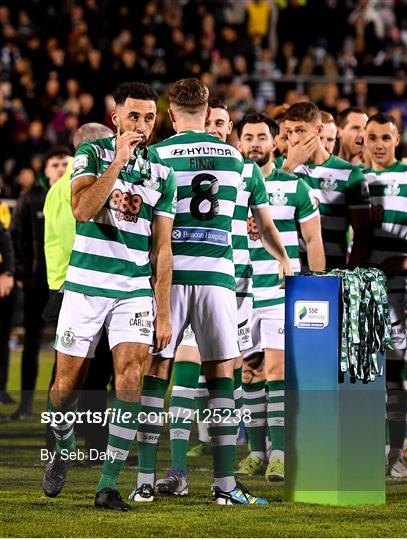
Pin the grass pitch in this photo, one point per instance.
(25, 511)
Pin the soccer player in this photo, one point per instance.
(387, 179)
(339, 187)
(123, 198)
(351, 124)
(251, 193)
(59, 237)
(329, 130)
(292, 206)
(219, 125)
(209, 173)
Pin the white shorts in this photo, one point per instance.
(244, 309)
(82, 318)
(188, 338)
(212, 313)
(267, 329)
(244, 317)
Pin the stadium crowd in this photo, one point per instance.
(59, 75)
(60, 61)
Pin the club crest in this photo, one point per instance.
(328, 184)
(151, 183)
(68, 339)
(392, 189)
(278, 198)
(242, 185)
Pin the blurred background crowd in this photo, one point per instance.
(60, 60)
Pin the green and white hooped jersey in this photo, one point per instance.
(110, 256)
(208, 173)
(291, 203)
(251, 194)
(339, 187)
(388, 194)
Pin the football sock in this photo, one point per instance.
(222, 431)
(254, 401)
(201, 405)
(64, 430)
(238, 395)
(185, 382)
(121, 436)
(148, 435)
(275, 414)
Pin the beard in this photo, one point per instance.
(261, 160)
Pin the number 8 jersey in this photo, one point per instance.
(208, 173)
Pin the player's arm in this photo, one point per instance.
(309, 219)
(89, 193)
(268, 232)
(271, 239)
(311, 232)
(358, 200)
(161, 260)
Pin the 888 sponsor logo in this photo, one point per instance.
(126, 206)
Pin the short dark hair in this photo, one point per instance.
(342, 117)
(56, 151)
(134, 90)
(305, 111)
(383, 118)
(257, 118)
(189, 94)
(217, 103)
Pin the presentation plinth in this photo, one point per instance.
(335, 427)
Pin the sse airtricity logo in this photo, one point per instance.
(302, 313)
(311, 314)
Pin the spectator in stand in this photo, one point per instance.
(233, 45)
(47, 52)
(360, 96)
(35, 144)
(287, 60)
(398, 97)
(329, 100)
(318, 61)
(258, 19)
(25, 180)
(368, 28)
(27, 231)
